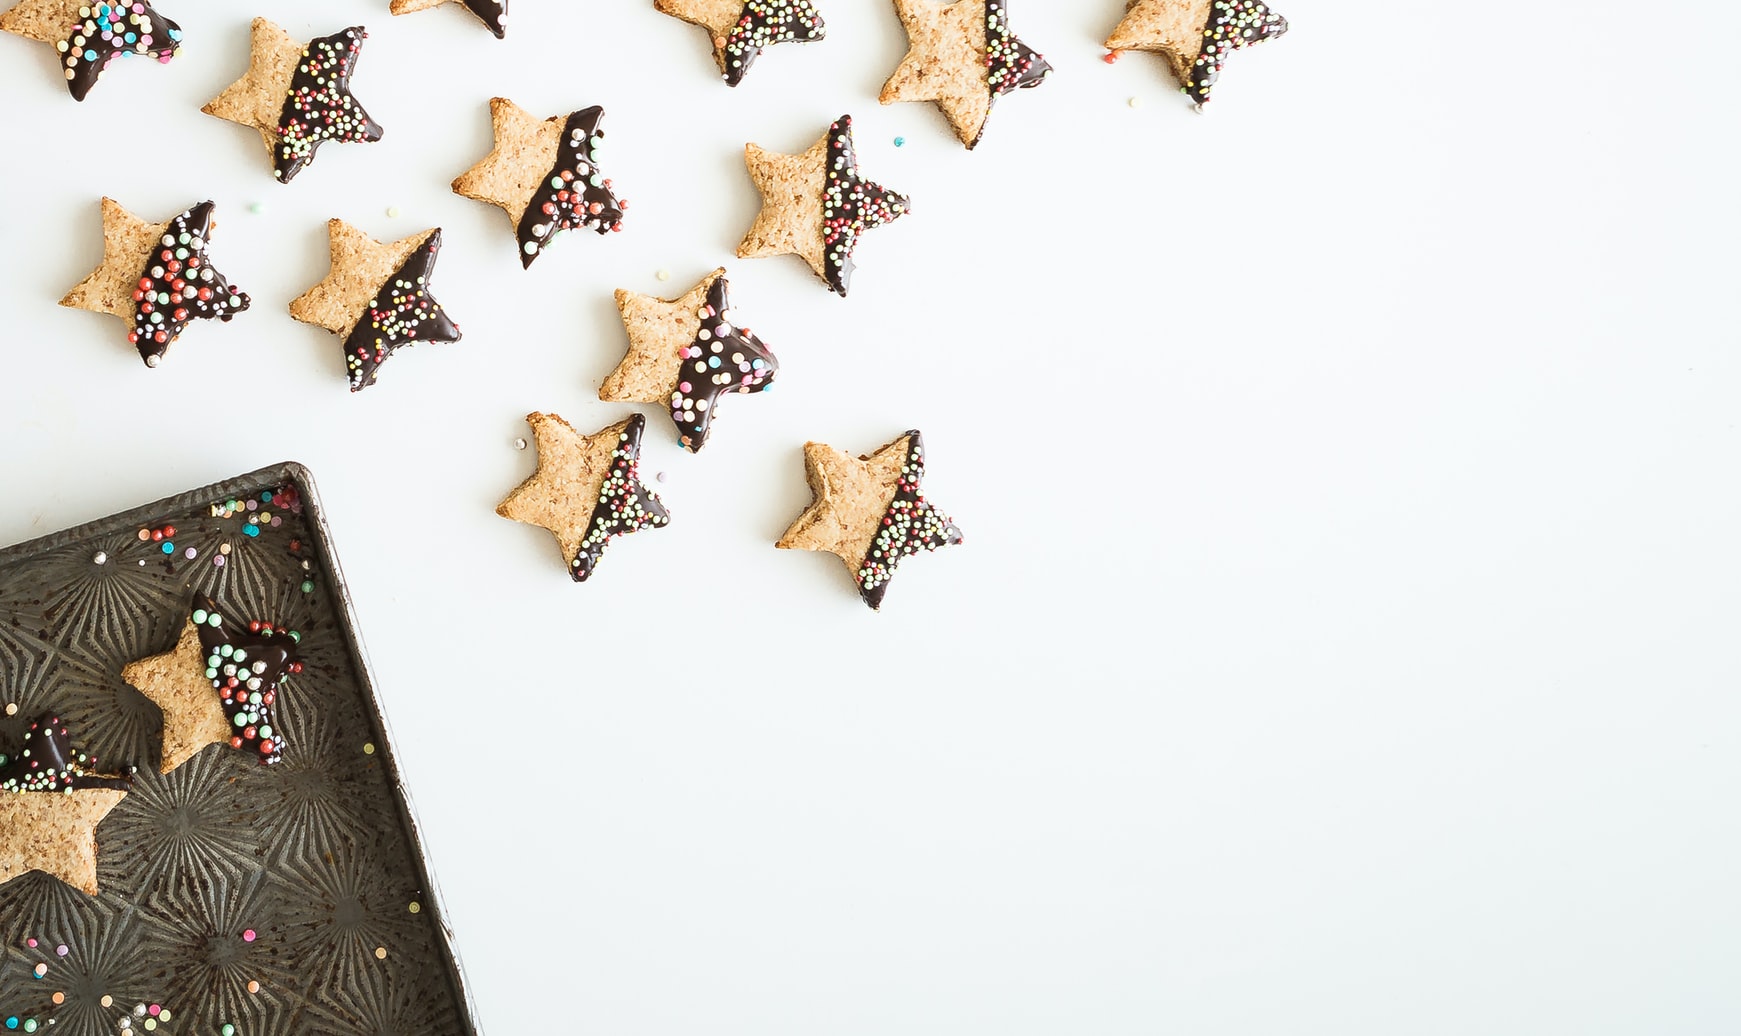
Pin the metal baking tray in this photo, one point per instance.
(286, 899)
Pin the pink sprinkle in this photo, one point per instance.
(30, 943)
(61, 950)
(156, 1010)
(192, 552)
(253, 505)
(248, 936)
(218, 562)
(684, 387)
(277, 521)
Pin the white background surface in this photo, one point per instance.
(1345, 640)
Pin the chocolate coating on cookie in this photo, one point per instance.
(245, 664)
(850, 206)
(723, 358)
(47, 762)
(575, 193)
(402, 312)
(179, 284)
(319, 106)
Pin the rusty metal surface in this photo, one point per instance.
(318, 857)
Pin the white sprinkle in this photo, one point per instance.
(663, 275)
(392, 212)
(101, 558)
(519, 444)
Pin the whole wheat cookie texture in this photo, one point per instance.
(686, 354)
(545, 175)
(816, 205)
(493, 13)
(963, 56)
(88, 36)
(587, 489)
(157, 277)
(218, 685)
(869, 512)
(51, 801)
(376, 298)
(1195, 36)
(298, 96)
(741, 29)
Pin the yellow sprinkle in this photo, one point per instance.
(380, 953)
(107, 1001)
(415, 908)
(368, 749)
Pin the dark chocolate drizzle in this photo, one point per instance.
(723, 358)
(624, 505)
(179, 284)
(575, 193)
(910, 525)
(319, 106)
(402, 312)
(46, 762)
(762, 24)
(850, 206)
(113, 30)
(493, 13)
(245, 665)
(1232, 25)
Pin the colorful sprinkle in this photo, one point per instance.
(624, 505)
(722, 359)
(401, 313)
(911, 525)
(1233, 25)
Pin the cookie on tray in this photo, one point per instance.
(51, 801)
(1195, 36)
(686, 354)
(218, 685)
(587, 490)
(816, 205)
(89, 35)
(869, 512)
(157, 277)
(741, 29)
(376, 298)
(545, 175)
(298, 95)
(962, 55)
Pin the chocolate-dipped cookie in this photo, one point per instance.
(88, 36)
(545, 175)
(963, 56)
(741, 29)
(376, 298)
(1195, 36)
(869, 512)
(298, 95)
(816, 205)
(157, 277)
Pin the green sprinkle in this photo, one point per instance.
(199, 616)
(308, 586)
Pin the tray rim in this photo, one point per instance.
(314, 513)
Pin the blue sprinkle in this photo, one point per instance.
(131, 37)
(900, 141)
(90, 55)
(168, 547)
(12, 1023)
(250, 530)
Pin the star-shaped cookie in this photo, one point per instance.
(815, 205)
(50, 806)
(686, 353)
(741, 29)
(298, 96)
(157, 277)
(89, 34)
(493, 13)
(962, 55)
(587, 489)
(218, 685)
(1195, 36)
(544, 174)
(869, 512)
(376, 297)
